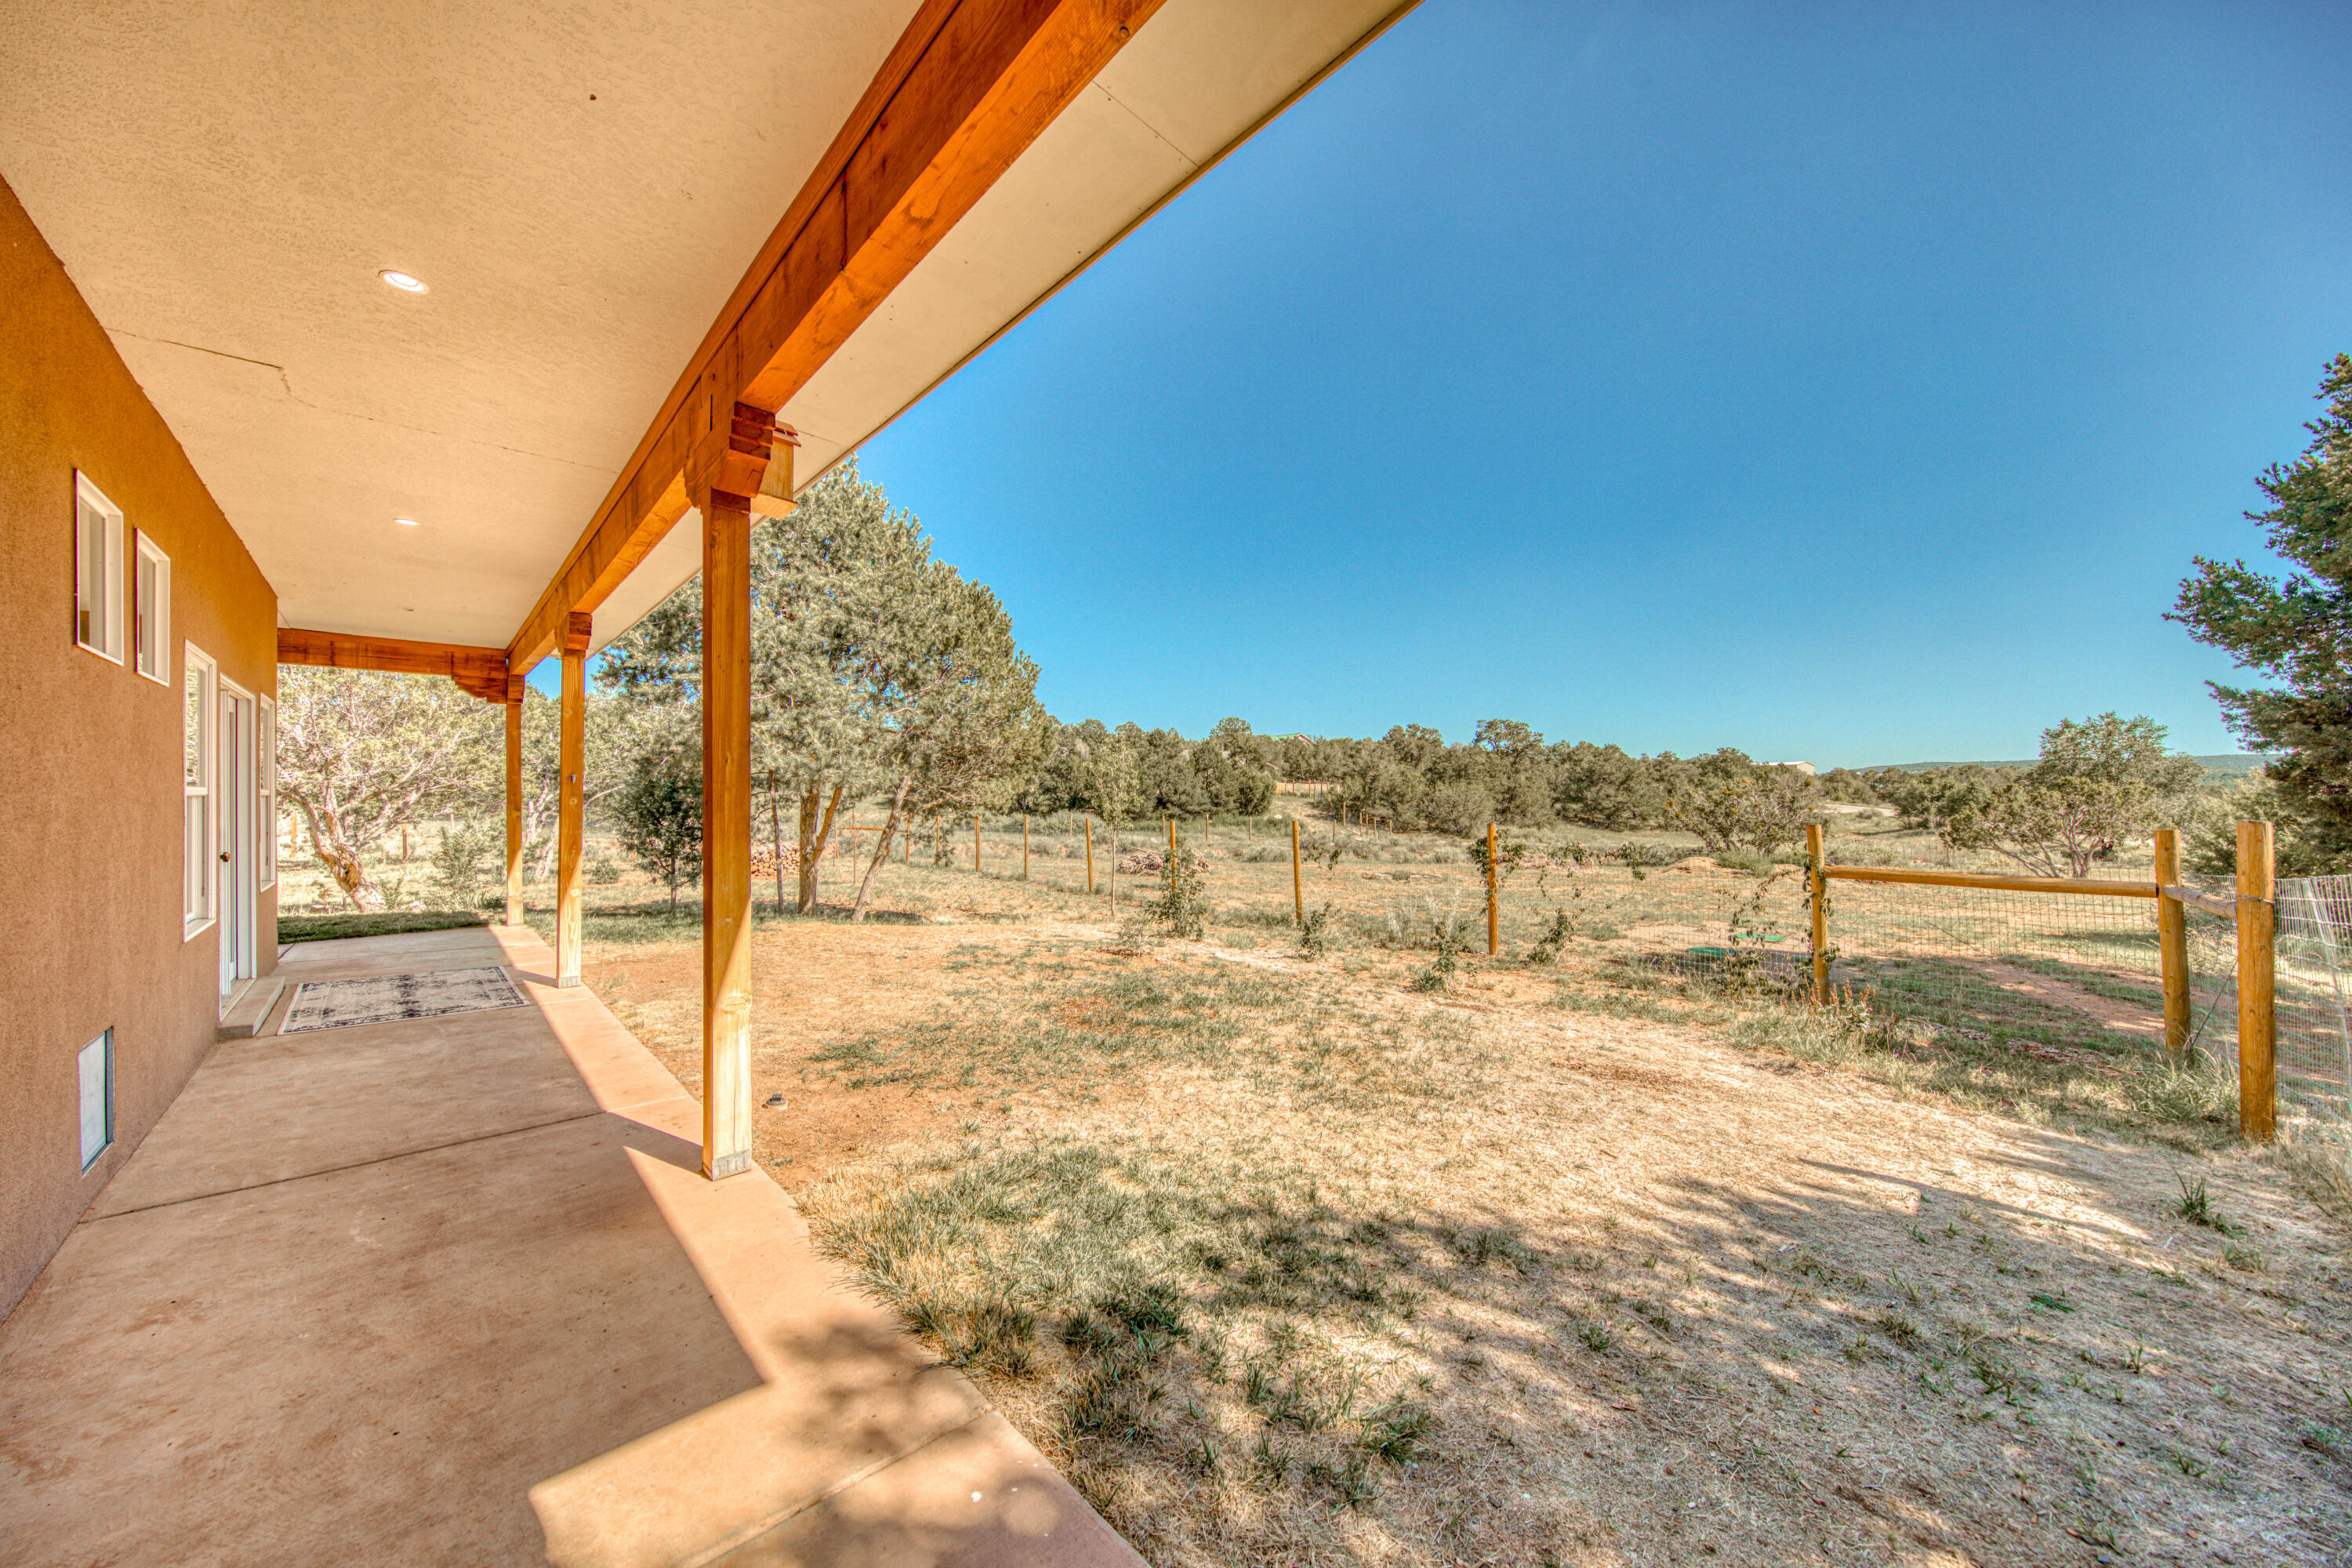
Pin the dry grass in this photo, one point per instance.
(1284, 1262)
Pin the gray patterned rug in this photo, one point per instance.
(395, 998)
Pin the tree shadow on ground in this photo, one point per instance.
(1235, 1361)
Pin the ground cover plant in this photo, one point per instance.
(1615, 1257)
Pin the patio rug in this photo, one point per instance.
(395, 998)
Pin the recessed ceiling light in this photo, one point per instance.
(402, 281)
(405, 521)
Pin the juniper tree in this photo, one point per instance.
(2099, 784)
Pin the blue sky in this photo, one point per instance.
(1844, 381)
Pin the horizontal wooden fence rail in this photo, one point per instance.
(2090, 885)
(2251, 911)
(2211, 903)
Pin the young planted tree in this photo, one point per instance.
(361, 755)
(660, 816)
(1182, 906)
(2296, 635)
(1114, 785)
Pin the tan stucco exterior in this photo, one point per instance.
(91, 802)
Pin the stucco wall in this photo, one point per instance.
(91, 800)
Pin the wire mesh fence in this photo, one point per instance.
(2054, 971)
(2314, 1046)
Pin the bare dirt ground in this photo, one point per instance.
(1284, 1262)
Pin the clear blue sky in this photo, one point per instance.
(1841, 382)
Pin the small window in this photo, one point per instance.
(151, 610)
(98, 571)
(197, 775)
(97, 1065)
(265, 772)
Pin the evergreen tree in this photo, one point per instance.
(2296, 633)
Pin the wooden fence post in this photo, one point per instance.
(1819, 895)
(1089, 823)
(1172, 841)
(1494, 879)
(1298, 886)
(975, 844)
(2257, 1010)
(2172, 946)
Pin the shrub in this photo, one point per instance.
(1315, 936)
(660, 815)
(1458, 808)
(461, 863)
(1180, 906)
(1555, 937)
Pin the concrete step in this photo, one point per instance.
(248, 1008)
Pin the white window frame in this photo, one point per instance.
(151, 612)
(104, 1047)
(265, 790)
(98, 570)
(200, 841)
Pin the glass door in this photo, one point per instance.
(234, 803)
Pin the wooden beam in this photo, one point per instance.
(479, 671)
(1979, 879)
(572, 722)
(2182, 894)
(966, 88)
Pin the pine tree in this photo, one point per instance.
(2296, 633)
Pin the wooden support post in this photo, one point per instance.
(570, 752)
(514, 802)
(1172, 841)
(1819, 895)
(1090, 853)
(2172, 947)
(2257, 1011)
(1297, 884)
(1024, 846)
(1494, 883)
(728, 473)
(726, 835)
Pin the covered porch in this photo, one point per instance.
(454, 1289)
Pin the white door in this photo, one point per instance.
(234, 799)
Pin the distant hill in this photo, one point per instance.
(2219, 770)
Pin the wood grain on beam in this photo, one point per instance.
(479, 671)
(966, 88)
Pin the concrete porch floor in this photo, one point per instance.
(455, 1291)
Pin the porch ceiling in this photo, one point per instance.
(225, 183)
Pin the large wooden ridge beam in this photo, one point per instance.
(479, 671)
(965, 90)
